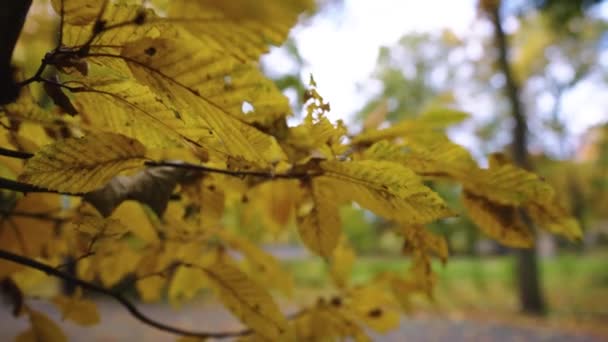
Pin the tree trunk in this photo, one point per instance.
(530, 295)
(12, 17)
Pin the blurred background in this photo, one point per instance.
(382, 61)
(379, 62)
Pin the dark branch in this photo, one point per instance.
(117, 296)
(39, 216)
(234, 173)
(8, 184)
(15, 154)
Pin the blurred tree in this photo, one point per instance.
(541, 53)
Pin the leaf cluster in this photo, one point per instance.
(168, 139)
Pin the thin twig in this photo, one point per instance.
(133, 310)
(61, 23)
(234, 173)
(39, 216)
(15, 154)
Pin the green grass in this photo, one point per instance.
(573, 284)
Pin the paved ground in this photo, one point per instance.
(118, 325)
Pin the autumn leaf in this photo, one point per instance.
(499, 221)
(243, 27)
(342, 262)
(318, 219)
(81, 311)
(41, 329)
(78, 165)
(262, 266)
(386, 188)
(247, 300)
(77, 12)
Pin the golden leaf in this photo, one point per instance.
(554, 218)
(318, 219)
(137, 220)
(81, 311)
(186, 283)
(42, 329)
(77, 165)
(389, 189)
(342, 261)
(150, 287)
(77, 12)
(427, 123)
(508, 184)
(247, 300)
(374, 306)
(243, 28)
(500, 222)
(328, 323)
(113, 260)
(263, 267)
(208, 123)
(130, 108)
(438, 158)
(420, 239)
(27, 235)
(121, 17)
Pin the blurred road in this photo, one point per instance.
(117, 325)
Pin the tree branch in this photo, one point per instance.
(49, 270)
(15, 154)
(234, 173)
(8, 184)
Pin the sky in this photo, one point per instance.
(340, 48)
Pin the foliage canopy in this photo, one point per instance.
(164, 141)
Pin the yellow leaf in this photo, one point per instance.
(113, 260)
(34, 283)
(219, 79)
(130, 108)
(508, 184)
(427, 123)
(42, 329)
(243, 28)
(319, 220)
(210, 119)
(98, 227)
(247, 300)
(74, 35)
(438, 158)
(500, 222)
(134, 215)
(328, 323)
(263, 267)
(420, 239)
(374, 306)
(27, 235)
(386, 188)
(342, 261)
(150, 287)
(79, 165)
(274, 203)
(554, 218)
(77, 12)
(81, 311)
(186, 283)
